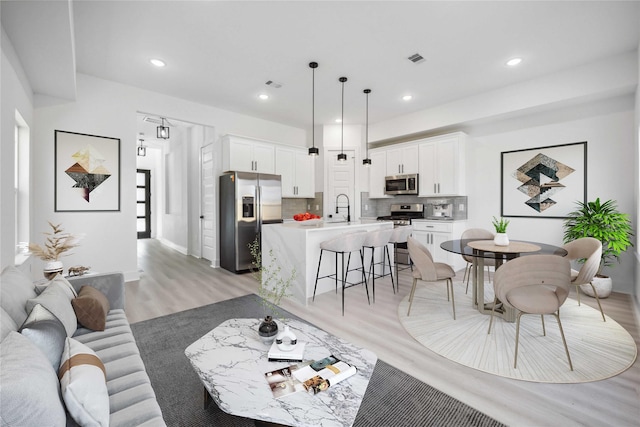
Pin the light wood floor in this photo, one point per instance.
(172, 282)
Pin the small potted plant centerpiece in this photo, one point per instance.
(604, 222)
(501, 238)
(272, 287)
(57, 243)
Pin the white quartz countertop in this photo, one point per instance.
(323, 225)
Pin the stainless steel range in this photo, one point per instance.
(401, 215)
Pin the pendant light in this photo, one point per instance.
(162, 131)
(342, 157)
(367, 161)
(313, 150)
(142, 150)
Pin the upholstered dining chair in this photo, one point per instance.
(476, 234)
(427, 270)
(533, 284)
(589, 250)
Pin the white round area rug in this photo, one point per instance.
(598, 349)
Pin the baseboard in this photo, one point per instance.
(173, 246)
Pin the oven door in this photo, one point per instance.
(401, 184)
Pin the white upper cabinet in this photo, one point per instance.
(377, 172)
(247, 155)
(442, 165)
(403, 160)
(296, 168)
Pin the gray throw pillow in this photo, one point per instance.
(15, 289)
(56, 299)
(46, 332)
(7, 324)
(60, 280)
(29, 385)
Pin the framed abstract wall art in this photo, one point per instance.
(543, 182)
(86, 173)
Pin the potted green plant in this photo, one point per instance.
(501, 238)
(604, 222)
(272, 287)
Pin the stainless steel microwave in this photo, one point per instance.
(401, 184)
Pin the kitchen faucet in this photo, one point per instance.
(348, 206)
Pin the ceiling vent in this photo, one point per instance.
(416, 58)
(273, 84)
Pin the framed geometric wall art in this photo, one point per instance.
(86, 173)
(543, 182)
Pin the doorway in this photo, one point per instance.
(143, 208)
(340, 179)
(208, 203)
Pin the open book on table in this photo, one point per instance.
(311, 377)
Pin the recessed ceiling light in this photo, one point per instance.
(338, 120)
(158, 62)
(263, 96)
(407, 98)
(514, 61)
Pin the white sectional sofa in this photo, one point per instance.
(33, 336)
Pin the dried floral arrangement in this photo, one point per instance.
(273, 285)
(55, 245)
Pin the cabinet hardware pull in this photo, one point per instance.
(438, 188)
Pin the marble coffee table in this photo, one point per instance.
(231, 361)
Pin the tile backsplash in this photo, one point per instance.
(380, 207)
(291, 207)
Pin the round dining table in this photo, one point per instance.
(479, 250)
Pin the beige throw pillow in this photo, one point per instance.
(83, 385)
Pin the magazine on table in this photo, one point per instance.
(312, 377)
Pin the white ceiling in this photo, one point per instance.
(221, 53)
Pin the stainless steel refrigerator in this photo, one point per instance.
(247, 200)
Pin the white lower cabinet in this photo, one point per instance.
(432, 233)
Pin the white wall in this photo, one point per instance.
(637, 188)
(16, 95)
(610, 172)
(109, 109)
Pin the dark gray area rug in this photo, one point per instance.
(393, 398)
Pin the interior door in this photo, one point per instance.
(143, 198)
(207, 199)
(340, 180)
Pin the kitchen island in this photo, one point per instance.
(295, 245)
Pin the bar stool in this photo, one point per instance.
(343, 244)
(399, 237)
(379, 239)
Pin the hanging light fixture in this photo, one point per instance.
(367, 161)
(313, 150)
(162, 131)
(342, 157)
(142, 150)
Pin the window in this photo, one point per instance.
(21, 182)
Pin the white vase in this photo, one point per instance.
(51, 268)
(602, 284)
(501, 239)
(286, 340)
